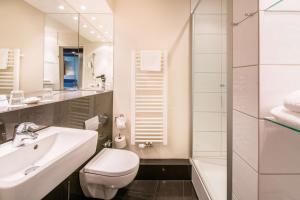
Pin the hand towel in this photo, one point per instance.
(292, 102)
(3, 58)
(287, 117)
(92, 124)
(151, 60)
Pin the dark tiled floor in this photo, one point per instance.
(158, 190)
(155, 190)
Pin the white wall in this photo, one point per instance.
(22, 26)
(156, 24)
(103, 63)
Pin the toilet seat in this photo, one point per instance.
(113, 163)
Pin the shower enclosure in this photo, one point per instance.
(209, 91)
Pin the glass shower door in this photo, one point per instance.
(209, 74)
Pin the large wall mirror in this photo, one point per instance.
(58, 44)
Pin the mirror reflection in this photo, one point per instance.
(68, 44)
(96, 48)
(61, 52)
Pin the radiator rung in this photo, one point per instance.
(153, 141)
(150, 133)
(148, 137)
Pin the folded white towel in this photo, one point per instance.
(292, 101)
(151, 60)
(287, 117)
(3, 58)
(92, 124)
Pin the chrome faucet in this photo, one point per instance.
(24, 131)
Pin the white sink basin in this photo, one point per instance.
(32, 171)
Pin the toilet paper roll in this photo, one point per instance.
(120, 141)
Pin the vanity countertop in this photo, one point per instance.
(58, 96)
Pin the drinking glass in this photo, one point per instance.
(16, 98)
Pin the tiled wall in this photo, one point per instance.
(266, 68)
(71, 113)
(245, 101)
(279, 75)
(209, 78)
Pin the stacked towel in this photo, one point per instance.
(287, 117)
(3, 58)
(289, 113)
(292, 102)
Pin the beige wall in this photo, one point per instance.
(22, 26)
(156, 24)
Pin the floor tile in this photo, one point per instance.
(170, 190)
(144, 186)
(132, 195)
(189, 192)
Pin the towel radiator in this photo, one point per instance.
(9, 77)
(149, 102)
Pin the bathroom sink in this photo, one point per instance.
(35, 169)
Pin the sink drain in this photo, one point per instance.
(31, 169)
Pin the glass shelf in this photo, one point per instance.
(273, 5)
(284, 6)
(274, 121)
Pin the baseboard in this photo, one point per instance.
(164, 169)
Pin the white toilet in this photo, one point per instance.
(108, 171)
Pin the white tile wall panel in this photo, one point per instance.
(209, 7)
(207, 121)
(279, 187)
(245, 38)
(208, 43)
(241, 7)
(207, 82)
(245, 180)
(207, 23)
(208, 62)
(245, 137)
(279, 38)
(276, 82)
(207, 102)
(245, 90)
(279, 149)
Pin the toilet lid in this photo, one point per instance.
(113, 162)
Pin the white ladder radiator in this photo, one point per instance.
(149, 102)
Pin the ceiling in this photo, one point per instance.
(93, 17)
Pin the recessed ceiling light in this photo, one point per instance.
(100, 26)
(83, 7)
(84, 26)
(98, 36)
(75, 18)
(92, 32)
(106, 32)
(61, 7)
(93, 18)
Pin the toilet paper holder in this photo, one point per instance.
(120, 121)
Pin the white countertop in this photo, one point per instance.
(58, 96)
